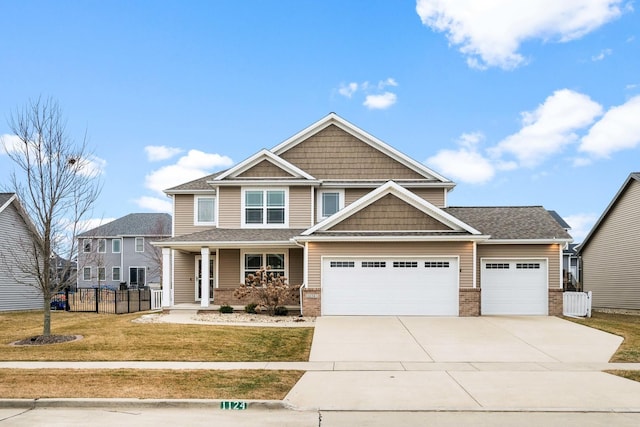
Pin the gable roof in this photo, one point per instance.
(194, 186)
(6, 199)
(634, 176)
(135, 224)
(560, 220)
(334, 119)
(403, 194)
(509, 223)
(262, 155)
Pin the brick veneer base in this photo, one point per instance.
(226, 296)
(555, 302)
(311, 300)
(469, 302)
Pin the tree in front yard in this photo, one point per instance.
(268, 289)
(57, 182)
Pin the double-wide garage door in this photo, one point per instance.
(514, 286)
(390, 286)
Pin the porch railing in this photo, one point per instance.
(156, 299)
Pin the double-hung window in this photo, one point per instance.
(265, 207)
(86, 245)
(115, 273)
(86, 273)
(205, 210)
(329, 202)
(139, 244)
(115, 246)
(102, 246)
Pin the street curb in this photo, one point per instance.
(138, 403)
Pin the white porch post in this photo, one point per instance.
(166, 277)
(204, 281)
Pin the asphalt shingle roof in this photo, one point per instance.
(196, 184)
(511, 222)
(135, 224)
(238, 235)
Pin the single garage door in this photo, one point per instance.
(390, 286)
(517, 287)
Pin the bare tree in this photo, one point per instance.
(57, 183)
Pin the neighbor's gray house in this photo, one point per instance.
(18, 289)
(119, 254)
(610, 254)
(364, 228)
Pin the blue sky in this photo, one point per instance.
(520, 103)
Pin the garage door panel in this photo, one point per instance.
(390, 286)
(514, 287)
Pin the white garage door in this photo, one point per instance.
(514, 286)
(390, 286)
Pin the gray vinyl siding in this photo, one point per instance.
(611, 259)
(550, 252)
(13, 235)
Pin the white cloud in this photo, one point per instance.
(9, 143)
(603, 53)
(490, 32)
(619, 129)
(348, 90)
(92, 166)
(389, 82)
(160, 152)
(548, 129)
(465, 164)
(380, 102)
(580, 225)
(155, 204)
(194, 165)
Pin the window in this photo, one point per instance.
(102, 246)
(264, 207)
(275, 262)
(136, 277)
(497, 266)
(205, 210)
(86, 245)
(342, 264)
(329, 202)
(405, 264)
(436, 264)
(115, 246)
(139, 244)
(86, 273)
(102, 274)
(524, 266)
(115, 274)
(374, 264)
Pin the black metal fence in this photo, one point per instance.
(103, 300)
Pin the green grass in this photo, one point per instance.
(115, 337)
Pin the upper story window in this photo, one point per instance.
(264, 208)
(115, 246)
(86, 245)
(102, 246)
(139, 244)
(205, 210)
(329, 202)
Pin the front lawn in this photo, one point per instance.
(109, 337)
(626, 326)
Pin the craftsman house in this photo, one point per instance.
(364, 229)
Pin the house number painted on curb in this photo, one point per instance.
(233, 405)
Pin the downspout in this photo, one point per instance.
(304, 285)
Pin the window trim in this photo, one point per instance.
(102, 278)
(138, 268)
(113, 241)
(264, 223)
(104, 246)
(84, 275)
(135, 245)
(196, 220)
(319, 201)
(85, 243)
(263, 252)
(113, 277)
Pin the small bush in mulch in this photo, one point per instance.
(47, 339)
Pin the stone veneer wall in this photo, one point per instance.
(469, 302)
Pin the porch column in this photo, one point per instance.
(166, 278)
(204, 281)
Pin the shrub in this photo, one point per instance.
(281, 311)
(269, 289)
(226, 309)
(251, 308)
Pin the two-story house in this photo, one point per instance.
(119, 254)
(364, 228)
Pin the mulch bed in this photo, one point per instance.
(47, 339)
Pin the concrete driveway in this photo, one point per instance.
(457, 363)
(458, 339)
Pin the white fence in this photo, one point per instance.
(576, 304)
(156, 299)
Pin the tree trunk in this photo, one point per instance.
(46, 330)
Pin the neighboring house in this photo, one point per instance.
(569, 258)
(366, 230)
(610, 254)
(119, 254)
(18, 289)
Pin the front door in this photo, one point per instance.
(199, 278)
